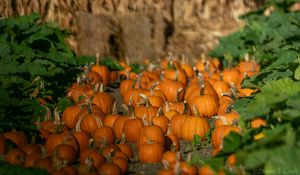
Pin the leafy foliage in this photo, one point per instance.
(35, 63)
(19, 170)
(274, 42)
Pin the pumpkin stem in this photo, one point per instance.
(222, 118)
(159, 112)
(125, 108)
(169, 131)
(195, 111)
(166, 164)
(89, 163)
(144, 120)
(207, 66)
(185, 105)
(48, 113)
(200, 80)
(145, 98)
(114, 109)
(221, 76)
(173, 147)
(167, 109)
(101, 88)
(247, 57)
(77, 127)
(123, 138)
(97, 59)
(162, 75)
(178, 94)
(156, 83)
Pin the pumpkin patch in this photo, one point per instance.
(234, 111)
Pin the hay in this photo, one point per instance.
(191, 27)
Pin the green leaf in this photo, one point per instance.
(297, 73)
(231, 143)
(111, 64)
(4, 50)
(135, 68)
(285, 86)
(257, 158)
(283, 160)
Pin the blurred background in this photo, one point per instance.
(138, 29)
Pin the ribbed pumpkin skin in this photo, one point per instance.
(104, 134)
(170, 89)
(145, 112)
(153, 133)
(104, 73)
(104, 101)
(70, 116)
(90, 122)
(132, 128)
(150, 152)
(220, 132)
(118, 126)
(206, 105)
(176, 124)
(194, 125)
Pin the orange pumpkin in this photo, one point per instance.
(103, 100)
(65, 152)
(258, 122)
(194, 125)
(15, 156)
(32, 158)
(173, 90)
(151, 132)
(109, 169)
(70, 116)
(146, 110)
(104, 134)
(18, 137)
(132, 127)
(150, 152)
(104, 73)
(161, 120)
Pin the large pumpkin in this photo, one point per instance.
(194, 126)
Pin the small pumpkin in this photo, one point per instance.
(150, 152)
(151, 132)
(65, 152)
(103, 134)
(18, 137)
(15, 156)
(194, 125)
(109, 169)
(70, 116)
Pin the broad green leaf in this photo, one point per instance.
(297, 73)
(4, 50)
(257, 158)
(284, 160)
(231, 143)
(285, 86)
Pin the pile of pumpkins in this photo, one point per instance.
(162, 105)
